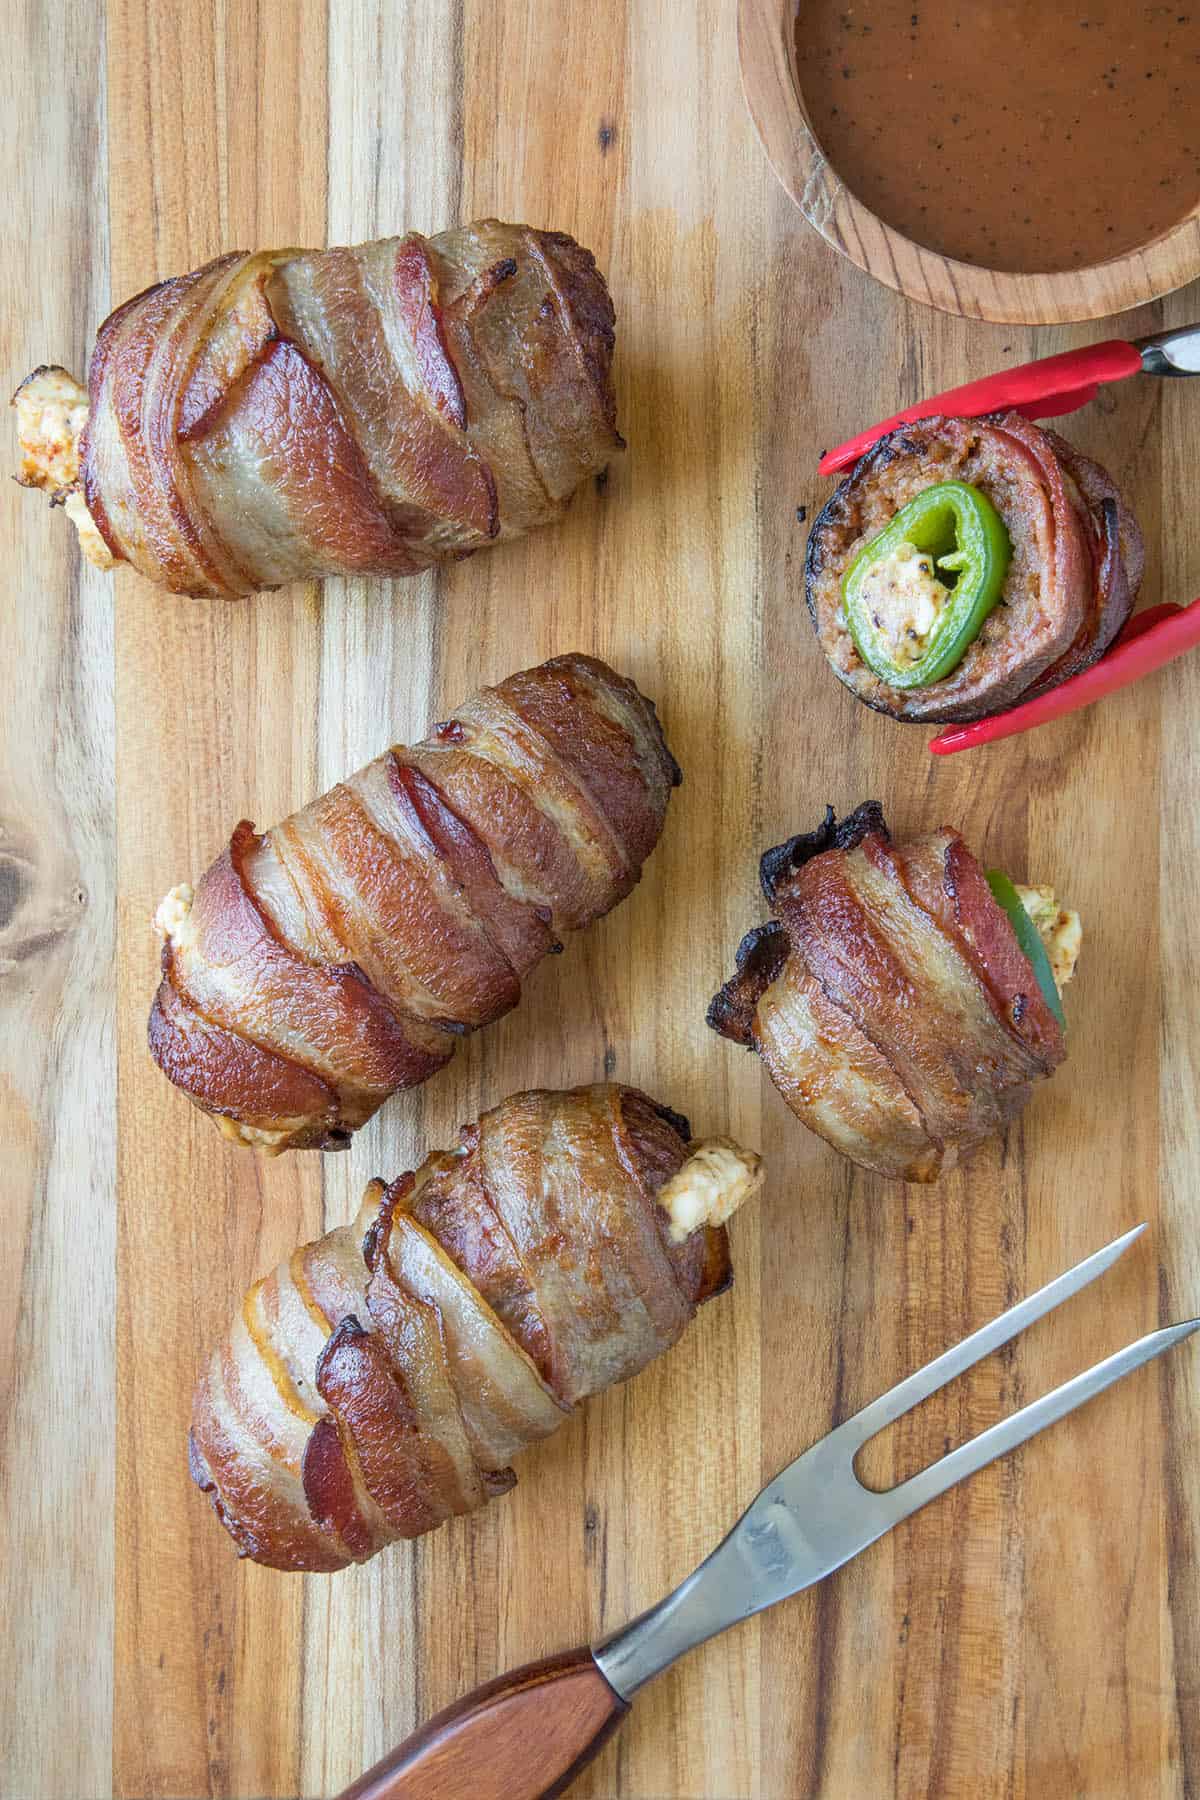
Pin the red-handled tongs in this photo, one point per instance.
(1046, 390)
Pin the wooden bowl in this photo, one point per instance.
(766, 51)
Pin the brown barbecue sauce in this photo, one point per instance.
(1022, 135)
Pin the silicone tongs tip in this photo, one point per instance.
(1045, 389)
(1150, 640)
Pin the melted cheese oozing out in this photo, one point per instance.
(173, 910)
(52, 410)
(90, 541)
(253, 1137)
(714, 1181)
(1058, 927)
(904, 600)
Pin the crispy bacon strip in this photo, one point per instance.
(379, 1381)
(326, 963)
(287, 415)
(890, 999)
(1076, 563)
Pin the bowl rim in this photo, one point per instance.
(765, 36)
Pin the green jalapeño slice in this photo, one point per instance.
(916, 596)
(1029, 938)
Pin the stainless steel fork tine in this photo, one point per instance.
(855, 1431)
(816, 1514)
(1008, 1433)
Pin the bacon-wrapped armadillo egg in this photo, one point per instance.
(1038, 533)
(285, 415)
(381, 1379)
(319, 966)
(891, 999)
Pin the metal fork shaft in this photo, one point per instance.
(1173, 352)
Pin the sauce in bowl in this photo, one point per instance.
(1024, 135)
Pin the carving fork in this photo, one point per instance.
(527, 1735)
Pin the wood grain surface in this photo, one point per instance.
(1036, 1633)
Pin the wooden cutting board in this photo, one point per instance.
(1036, 1632)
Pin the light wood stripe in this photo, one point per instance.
(57, 894)
(217, 141)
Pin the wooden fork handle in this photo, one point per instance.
(523, 1737)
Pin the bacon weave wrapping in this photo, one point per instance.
(339, 956)
(890, 1000)
(284, 415)
(380, 1380)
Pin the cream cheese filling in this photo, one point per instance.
(52, 410)
(173, 910)
(904, 600)
(714, 1181)
(253, 1137)
(1058, 927)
